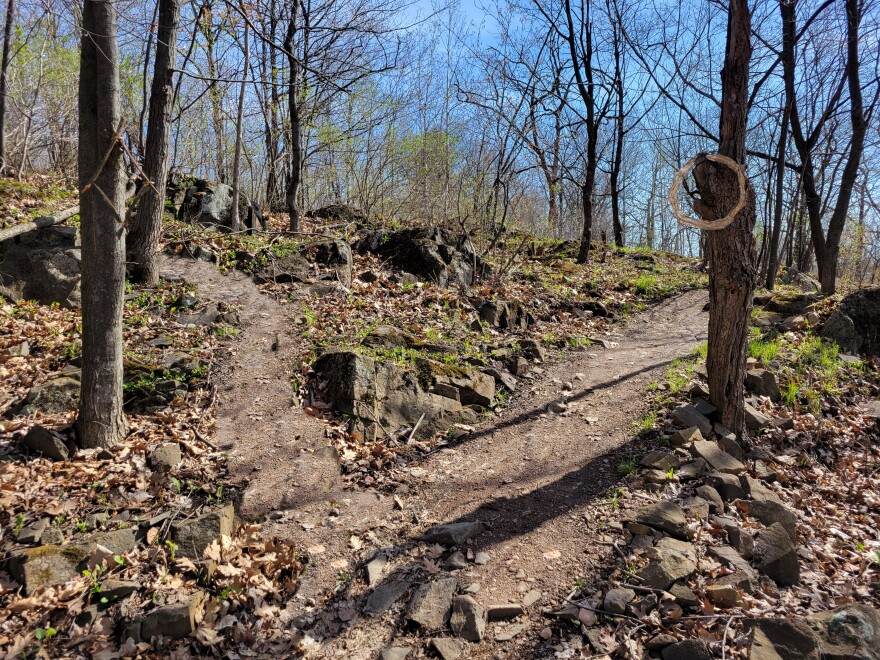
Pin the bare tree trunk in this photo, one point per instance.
(828, 266)
(143, 239)
(4, 67)
(101, 422)
(773, 257)
(617, 161)
(239, 118)
(214, 93)
(295, 139)
(732, 249)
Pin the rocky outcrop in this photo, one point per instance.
(434, 254)
(380, 397)
(210, 203)
(339, 214)
(42, 265)
(855, 324)
(505, 315)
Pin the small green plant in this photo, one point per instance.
(45, 633)
(172, 548)
(176, 483)
(310, 316)
(645, 283)
(579, 584)
(19, 524)
(94, 577)
(670, 474)
(790, 393)
(342, 579)
(627, 466)
(81, 526)
(763, 350)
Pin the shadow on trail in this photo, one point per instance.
(534, 413)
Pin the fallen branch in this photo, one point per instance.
(39, 223)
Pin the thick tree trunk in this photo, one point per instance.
(587, 203)
(143, 237)
(731, 250)
(4, 67)
(101, 422)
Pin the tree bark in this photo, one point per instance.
(295, 139)
(829, 260)
(773, 256)
(143, 238)
(731, 250)
(4, 67)
(239, 119)
(101, 422)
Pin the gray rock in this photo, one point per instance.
(775, 555)
(117, 541)
(732, 447)
(42, 265)
(520, 366)
(448, 648)
(468, 619)
(770, 512)
(502, 377)
(727, 485)
(34, 532)
(687, 416)
(704, 407)
(58, 395)
(665, 568)
(763, 383)
(730, 557)
(722, 595)
(166, 456)
(723, 432)
(43, 441)
(763, 472)
(683, 595)
(688, 649)
(686, 436)
(381, 395)
(504, 314)
(716, 504)
(455, 562)
(504, 611)
(616, 600)
(863, 308)
(176, 621)
(52, 536)
(661, 460)
(841, 329)
(532, 597)
(755, 420)
(757, 490)
(782, 638)
(374, 569)
(718, 460)
(693, 470)
(209, 203)
(396, 653)
(532, 350)
(46, 566)
(665, 516)
(431, 253)
(389, 336)
(848, 631)
(482, 558)
(384, 596)
(115, 590)
(696, 507)
(193, 536)
(430, 603)
(453, 533)
(334, 254)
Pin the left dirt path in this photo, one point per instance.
(277, 453)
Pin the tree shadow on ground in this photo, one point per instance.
(514, 515)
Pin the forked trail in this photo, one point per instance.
(532, 475)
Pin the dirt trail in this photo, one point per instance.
(527, 472)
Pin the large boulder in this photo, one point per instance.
(433, 254)
(380, 397)
(42, 265)
(855, 324)
(848, 631)
(793, 277)
(58, 395)
(210, 203)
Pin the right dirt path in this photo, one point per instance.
(531, 472)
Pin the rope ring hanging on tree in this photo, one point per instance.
(710, 225)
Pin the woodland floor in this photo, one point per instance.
(535, 477)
